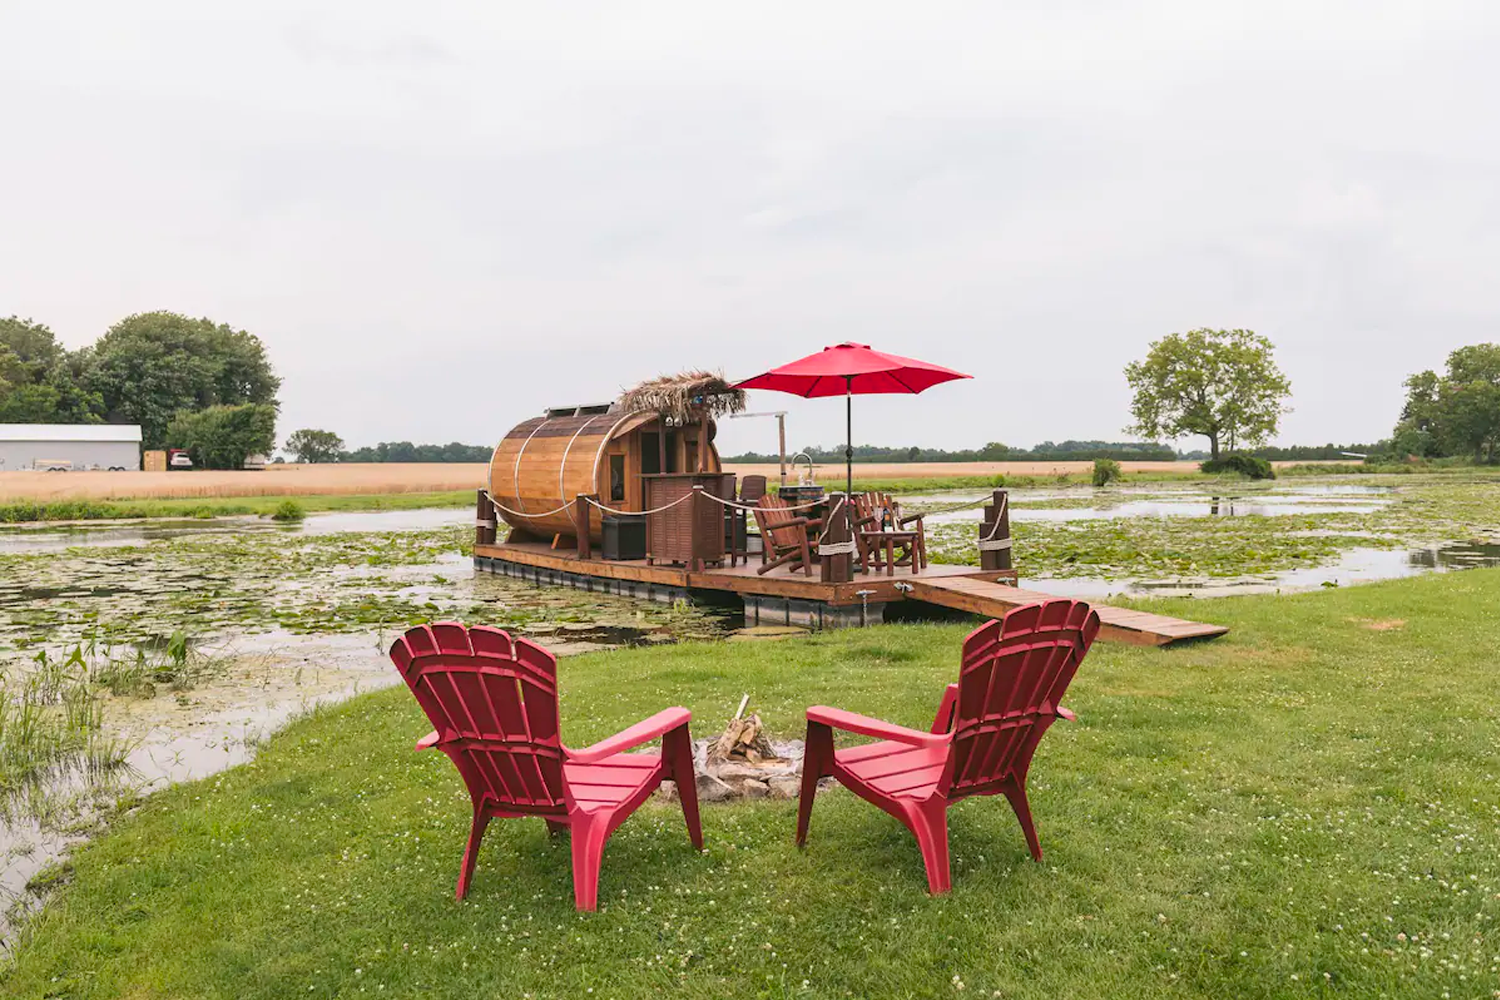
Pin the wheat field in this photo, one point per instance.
(276, 480)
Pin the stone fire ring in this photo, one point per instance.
(733, 780)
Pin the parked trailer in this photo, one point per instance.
(67, 447)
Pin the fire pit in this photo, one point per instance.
(743, 763)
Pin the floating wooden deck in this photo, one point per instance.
(800, 599)
(1139, 628)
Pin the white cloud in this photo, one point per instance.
(443, 217)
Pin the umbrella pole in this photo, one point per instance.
(848, 439)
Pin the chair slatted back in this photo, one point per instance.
(870, 504)
(1013, 677)
(752, 488)
(493, 701)
(773, 509)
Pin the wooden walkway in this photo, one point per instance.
(963, 588)
(1139, 628)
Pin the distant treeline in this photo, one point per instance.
(1065, 451)
(1317, 453)
(1047, 451)
(405, 451)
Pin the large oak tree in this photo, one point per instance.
(1457, 413)
(149, 367)
(40, 381)
(1221, 384)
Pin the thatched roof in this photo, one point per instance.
(684, 397)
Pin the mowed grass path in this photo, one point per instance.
(1309, 807)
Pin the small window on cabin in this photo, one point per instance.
(651, 453)
(616, 478)
(650, 456)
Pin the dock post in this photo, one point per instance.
(484, 520)
(837, 566)
(581, 526)
(994, 533)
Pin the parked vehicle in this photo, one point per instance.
(52, 465)
(255, 463)
(178, 459)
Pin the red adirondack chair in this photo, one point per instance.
(988, 725)
(493, 700)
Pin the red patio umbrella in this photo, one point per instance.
(848, 370)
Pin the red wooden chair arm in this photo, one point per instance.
(904, 521)
(852, 722)
(428, 742)
(662, 722)
(943, 721)
(1064, 713)
(794, 522)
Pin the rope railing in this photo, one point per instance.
(531, 515)
(1004, 502)
(964, 505)
(637, 513)
(526, 514)
(752, 507)
(977, 501)
(986, 542)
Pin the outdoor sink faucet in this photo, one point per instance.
(809, 481)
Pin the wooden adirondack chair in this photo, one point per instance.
(493, 700)
(867, 507)
(783, 536)
(988, 725)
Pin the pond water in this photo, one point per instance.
(289, 617)
(1359, 565)
(259, 684)
(1405, 542)
(1094, 505)
(110, 534)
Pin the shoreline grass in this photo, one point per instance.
(1304, 807)
(23, 512)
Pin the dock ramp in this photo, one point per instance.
(981, 597)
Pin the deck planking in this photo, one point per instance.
(1139, 628)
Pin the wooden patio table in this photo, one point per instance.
(887, 541)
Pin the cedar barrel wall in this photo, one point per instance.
(544, 462)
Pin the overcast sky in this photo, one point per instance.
(443, 217)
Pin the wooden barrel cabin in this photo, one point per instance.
(543, 463)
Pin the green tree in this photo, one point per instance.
(1457, 413)
(1221, 384)
(315, 446)
(40, 381)
(222, 437)
(32, 346)
(151, 366)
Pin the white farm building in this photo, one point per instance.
(70, 446)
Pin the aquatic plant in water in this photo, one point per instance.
(51, 728)
(1421, 511)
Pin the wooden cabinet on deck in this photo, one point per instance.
(691, 533)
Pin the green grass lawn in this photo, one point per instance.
(1307, 807)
